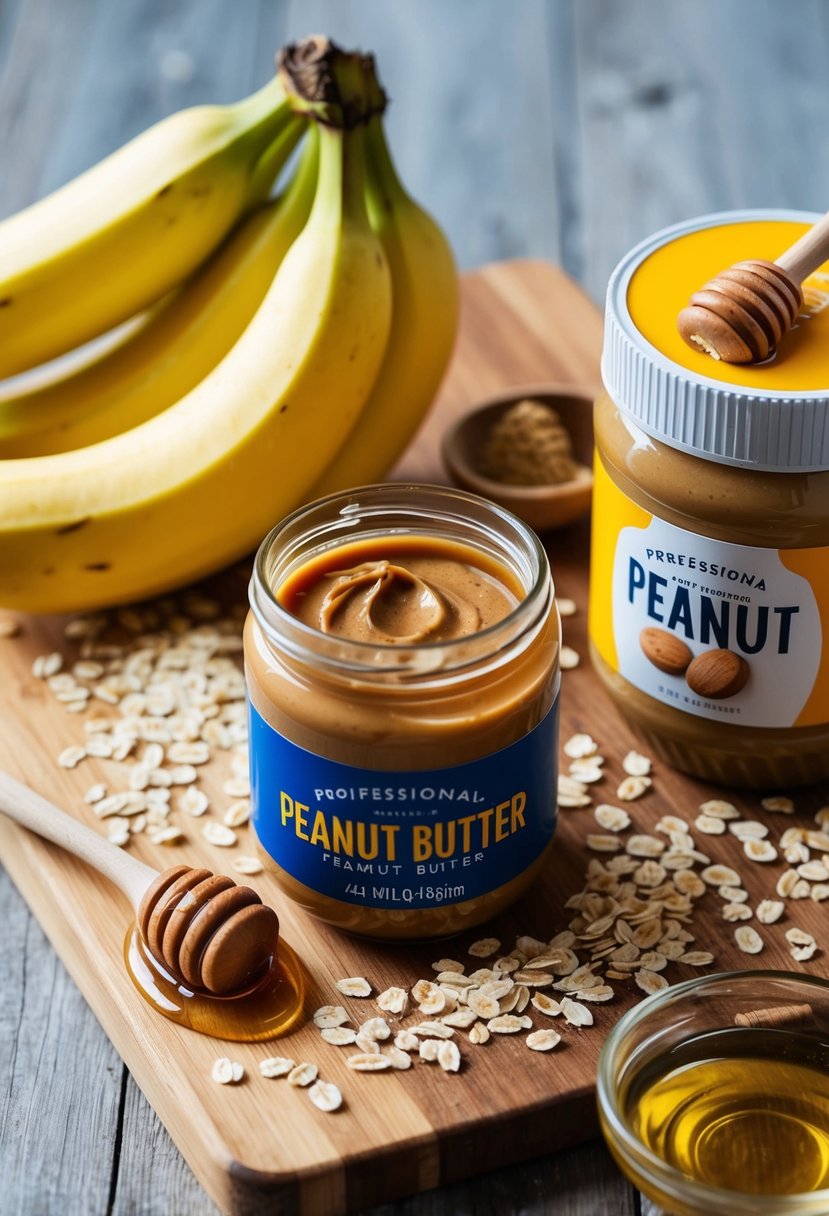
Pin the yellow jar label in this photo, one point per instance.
(732, 633)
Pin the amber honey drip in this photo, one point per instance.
(272, 1008)
(744, 1109)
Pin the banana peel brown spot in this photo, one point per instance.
(74, 526)
(98, 566)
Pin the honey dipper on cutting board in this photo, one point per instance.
(741, 315)
(209, 933)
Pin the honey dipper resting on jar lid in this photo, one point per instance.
(742, 315)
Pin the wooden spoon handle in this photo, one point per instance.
(32, 811)
(807, 253)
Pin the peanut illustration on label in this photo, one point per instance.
(717, 674)
(665, 650)
(714, 674)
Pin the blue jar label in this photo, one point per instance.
(419, 839)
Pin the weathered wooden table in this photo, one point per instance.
(552, 128)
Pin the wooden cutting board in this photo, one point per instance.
(261, 1146)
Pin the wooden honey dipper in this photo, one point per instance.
(213, 936)
(741, 315)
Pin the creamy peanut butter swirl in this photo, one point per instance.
(382, 601)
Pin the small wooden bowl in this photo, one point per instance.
(542, 507)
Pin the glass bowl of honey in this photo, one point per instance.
(714, 1095)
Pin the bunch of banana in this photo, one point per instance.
(290, 347)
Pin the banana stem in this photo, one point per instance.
(340, 196)
(382, 173)
(336, 88)
(273, 159)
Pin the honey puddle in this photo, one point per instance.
(270, 1009)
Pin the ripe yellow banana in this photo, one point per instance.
(183, 338)
(119, 237)
(198, 485)
(425, 303)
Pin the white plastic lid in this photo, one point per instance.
(747, 426)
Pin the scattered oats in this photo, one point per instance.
(483, 1005)
(822, 817)
(428, 1050)
(406, 1041)
(603, 844)
(801, 889)
(449, 1057)
(697, 958)
(461, 1019)
(799, 937)
(247, 865)
(647, 934)
(509, 1023)
(588, 772)
(153, 756)
(303, 1074)
(720, 876)
(219, 835)
(434, 1030)
(479, 1033)
(748, 829)
(709, 825)
(652, 960)
(759, 850)
(748, 939)
(375, 1028)
(632, 788)
(227, 1072)
(783, 806)
(649, 874)
(575, 1013)
(71, 757)
(642, 845)
(192, 802)
(276, 1066)
(188, 753)
(802, 954)
(394, 1000)
(95, 793)
(568, 658)
(543, 1040)
(113, 804)
(612, 818)
(326, 1096)
(566, 607)
(818, 841)
(237, 787)
(118, 832)
(650, 981)
(787, 882)
(485, 947)
(671, 823)
(636, 765)
(449, 964)
(100, 746)
(167, 836)
(769, 911)
(718, 808)
(237, 814)
(578, 747)
(820, 892)
(340, 1036)
(815, 871)
(399, 1058)
(355, 985)
(689, 883)
(330, 1015)
(180, 774)
(733, 895)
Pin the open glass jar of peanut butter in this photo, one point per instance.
(709, 619)
(402, 664)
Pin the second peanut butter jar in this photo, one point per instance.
(709, 600)
(402, 664)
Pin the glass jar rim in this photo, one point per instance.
(676, 1184)
(345, 510)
